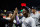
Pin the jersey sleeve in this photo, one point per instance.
(33, 23)
(14, 21)
(22, 19)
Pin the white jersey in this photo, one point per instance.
(27, 22)
(8, 18)
(35, 16)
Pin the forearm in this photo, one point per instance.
(12, 17)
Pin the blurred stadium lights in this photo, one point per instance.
(5, 10)
(4, 16)
(23, 4)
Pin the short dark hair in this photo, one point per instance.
(25, 9)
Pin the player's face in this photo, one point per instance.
(33, 10)
(10, 14)
(24, 11)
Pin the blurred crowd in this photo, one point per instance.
(27, 17)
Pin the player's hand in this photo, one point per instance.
(16, 10)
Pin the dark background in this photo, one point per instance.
(11, 4)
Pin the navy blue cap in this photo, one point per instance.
(8, 12)
(33, 7)
(26, 9)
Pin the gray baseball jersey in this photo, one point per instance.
(36, 17)
(28, 22)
